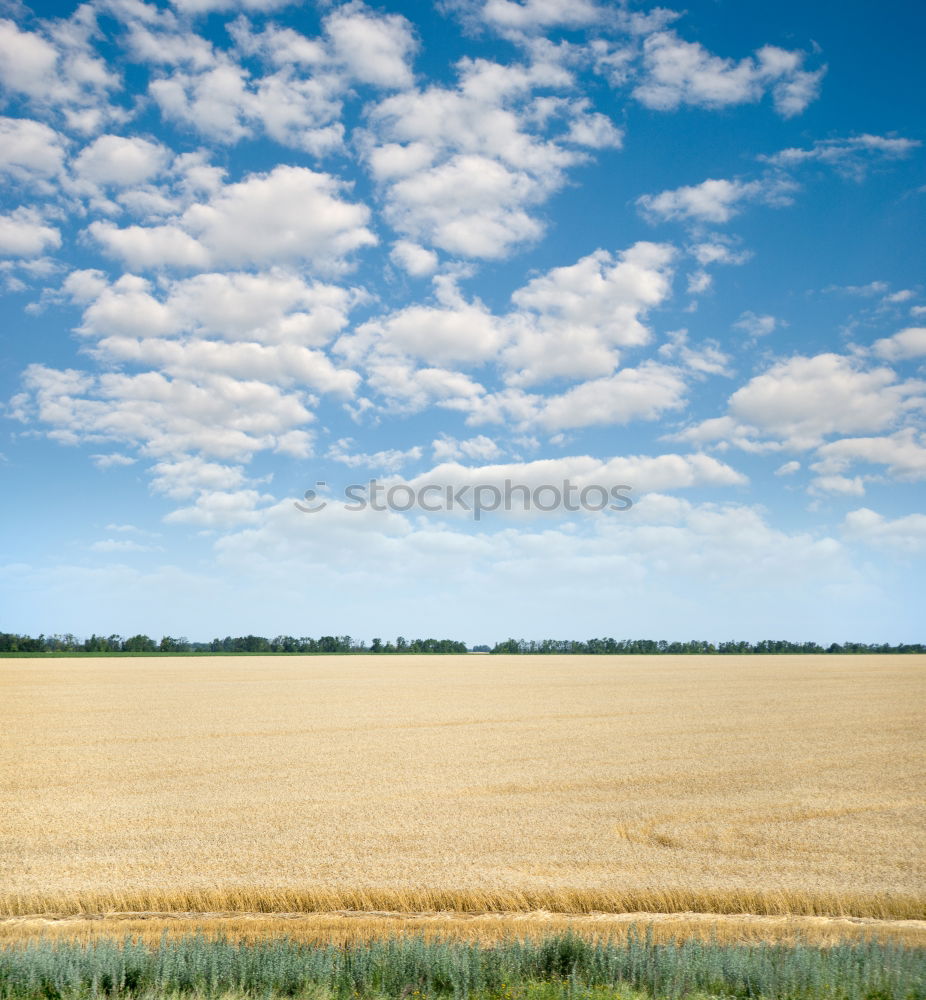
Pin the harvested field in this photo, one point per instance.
(763, 785)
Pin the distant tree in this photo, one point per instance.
(139, 644)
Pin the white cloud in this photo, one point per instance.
(224, 104)
(251, 223)
(788, 468)
(119, 161)
(273, 307)
(755, 325)
(185, 477)
(640, 473)
(677, 73)
(29, 150)
(23, 233)
(570, 321)
(59, 74)
(843, 485)
(536, 15)
(801, 401)
(447, 448)
(804, 399)
(279, 364)
(705, 358)
(851, 157)
(195, 7)
(909, 343)
(387, 460)
(903, 453)
(713, 200)
(642, 393)
(298, 102)
(111, 460)
(718, 250)
(454, 331)
(150, 247)
(213, 415)
(462, 168)
(122, 545)
(415, 259)
(221, 509)
(566, 323)
(594, 131)
(28, 63)
(375, 48)
(408, 389)
(902, 534)
(471, 206)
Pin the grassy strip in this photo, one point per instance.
(414, 968)
(785, 902)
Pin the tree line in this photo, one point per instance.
(654, 647)
(12, 643)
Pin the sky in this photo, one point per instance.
(251, 248)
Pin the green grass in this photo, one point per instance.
(559, 968)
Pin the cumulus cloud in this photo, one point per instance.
(29, 150)
(535, 15)
(447, 448)
(387, 460)
(57, 71)
(110, 460)
(270, 327)
(803, 400)
(640, 473)
(214, 415)
(713, 200)
(642, 393)
(119, 161)
(705, 358)
(676, 72)
(251, 223)
(273, 307)
(196, 7)
(298, 101)
(221, 509)
(901, 534)
(375, 48)
(572, 320)
(755, 325)
(902, 346)
(224, 104)
(463, 167)
(415, 259)
(569, 322)
(902, 453)
(23, 233)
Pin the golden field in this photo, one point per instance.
(574, 784)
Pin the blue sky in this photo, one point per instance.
(249, 246)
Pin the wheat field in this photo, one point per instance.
(262, 785)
